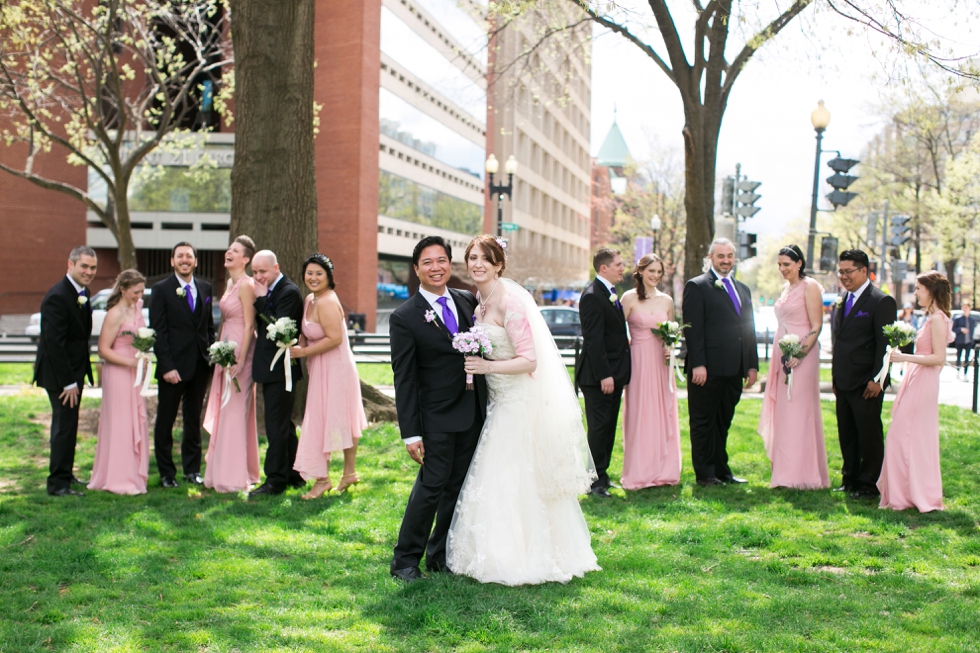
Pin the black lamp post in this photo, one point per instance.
(655, 227)
(820, 119)
(500, 189)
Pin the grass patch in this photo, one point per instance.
(685, 568)
(16, 373)
(376, 373)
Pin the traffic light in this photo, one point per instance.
(873, 270)
(727, 196)
(745, 198)
(899, 269)
(840, 181)
(746, 245)
(901, 231)
(828, 253)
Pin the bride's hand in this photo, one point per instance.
(476, 365)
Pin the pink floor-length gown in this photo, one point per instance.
(911, 476)
(792, 428)
(651, 432)
(233, 450)
(334, 415)
(122, 454)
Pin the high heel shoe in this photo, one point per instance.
(345, 483)
(321, 487)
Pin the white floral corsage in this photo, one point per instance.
(613, 298)
(839, 301)
(181, 292)
(430, 316)
(719, 284)
(82, 300)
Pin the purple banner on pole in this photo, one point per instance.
(643, 246)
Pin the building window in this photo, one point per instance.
(406, 200)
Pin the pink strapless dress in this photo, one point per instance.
(122, 454)
(792, 429)
(911, 476)
(651, 432)
(233, 450)
(334, 415)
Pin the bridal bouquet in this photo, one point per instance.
(670, 333)
(143, 341)
(475, 342)
(898, 334)
(222, 353)
(792, 347)
(284, 333)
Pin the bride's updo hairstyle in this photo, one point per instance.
(323, 262)
(126, 280)
(641, 266)
(491, 248)
(795, 254)
(939, 290)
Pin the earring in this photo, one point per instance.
(496, 275)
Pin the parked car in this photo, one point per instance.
(562, 321)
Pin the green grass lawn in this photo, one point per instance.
(690, 569)
(16, 373)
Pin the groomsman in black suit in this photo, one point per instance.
(604, 366)
(62, 363)
(180, 311)
(721, 353)
(859, 348)
(275, 297)
(440, 421)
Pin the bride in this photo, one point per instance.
(518, 520)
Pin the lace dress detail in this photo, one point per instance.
(518, 520)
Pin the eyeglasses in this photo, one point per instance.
(847, 273)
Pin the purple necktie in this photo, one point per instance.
(731, 294)
(849, 303)
(190, 297)
(447, 316)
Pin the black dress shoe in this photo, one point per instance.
(168, 481)
(77, 481)
(733, 480)
(194, 478)
(407, 574)
(600, 491)
(706, 482)
(440, 569)
(65, 492)
(297, 483)
(844, 488)
(265, 489)
(864, 494)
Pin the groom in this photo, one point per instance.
(440, 421)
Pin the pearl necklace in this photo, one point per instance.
(483, 304)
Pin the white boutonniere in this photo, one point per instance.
(82, 300)
(430, 316)
(613, 298)
(719, 284)
(181, 292)
(839, 301)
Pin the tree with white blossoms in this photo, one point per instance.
(105, 83)
(957, 207)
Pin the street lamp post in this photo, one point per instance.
(820, 118)
(510, 167)
(655, 226)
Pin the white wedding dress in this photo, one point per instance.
(518, 520)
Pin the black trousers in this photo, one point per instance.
(64, 432)
(712, 407)
(601, 414)
(281, 433)
(190, 393)
(862, 442)
(433, 497)
(963, 351)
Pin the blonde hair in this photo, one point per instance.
(126, 280)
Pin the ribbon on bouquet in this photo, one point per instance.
(886, 367)
(141, 358)
(226, 391)
(284, 351)
(676, 369)
(789, 385)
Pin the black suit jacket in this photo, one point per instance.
(430, 384)
(859, 342)
(63, 350)
(605, 348)
(285, 301)
(183, 336)
(719, 338)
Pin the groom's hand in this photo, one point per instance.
(873, 390)
(751, 378)
(699, 375)
(417, 451)
(69, 397)
(607, 385)
(173, 376)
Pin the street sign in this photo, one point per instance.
(509, 226)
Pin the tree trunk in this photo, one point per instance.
(123, 232)
(700, 152)
(273, 182)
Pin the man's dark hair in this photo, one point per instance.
(859, 257)
(603, 256)
(429, 241)
(183, 243)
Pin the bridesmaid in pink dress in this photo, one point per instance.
(651, 432)
(233, 450)
(122, 454)
(792, 427)
(334, 415)
(911, 476)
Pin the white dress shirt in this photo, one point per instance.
(79, 290)
(433, 300)
(184, 284)
(273, 284)
(611, 287)
(730, 280)
(857, 293)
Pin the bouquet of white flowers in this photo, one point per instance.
(143, 341)
(670, 333)
(284, 333)
(899, 333)
(222, 354)
(792, 347)
(475, 342)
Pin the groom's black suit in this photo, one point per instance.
(722, 340)
(859, 347)
(432, 402)
(63, 359)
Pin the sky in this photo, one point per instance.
(767, 124)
